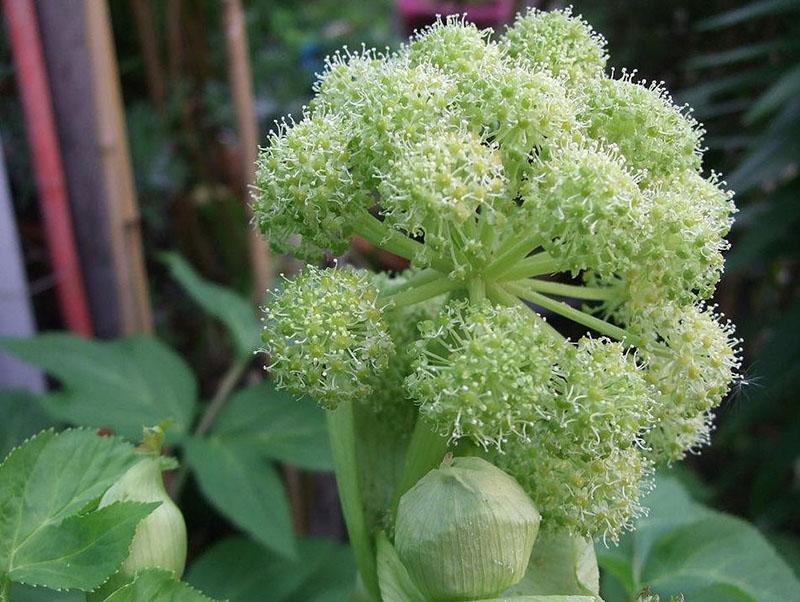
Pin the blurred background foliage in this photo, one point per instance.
(737, 63)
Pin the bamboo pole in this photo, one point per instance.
(112, 137)
(247, 126)
(31, 75)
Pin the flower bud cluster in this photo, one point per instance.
(326, 336)
(493, 162)
(484, 372)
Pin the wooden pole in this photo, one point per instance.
(112, 136)
(63, 30)
(247, 126)
(148, 42)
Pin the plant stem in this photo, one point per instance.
(341, 429)
(522, 290)
(423, 277)
(477, 290)
(512, 255)
(214, 407)
(5, 589)
(535, 265)
(226, 385)
(423, 292)
(425, 451)
(589, 293)
(382, 236)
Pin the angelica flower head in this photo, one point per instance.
(515, 173)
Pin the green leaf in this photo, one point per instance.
(49, 483)
(750, 11)
(395, 582)
(81, 551)
(786, 88)
(234, 311)
(156, 585)
(26, 593)
(240, 570)
(277, 426)
(737, 55)
(683, 547)
(22, 418)
(244, 488)
(122, 384)
(560, 564)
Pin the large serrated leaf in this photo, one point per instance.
(48, 484)
(81, 551)
(244, 488)
(684, 547)
(156, 585)
(240, 570)
(234, 311)
(120, 384)
(278, 426)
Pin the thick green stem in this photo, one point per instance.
(341, 429)
(384, 237)
(425, 452)
(522, 290)
(422, 277)
(5, 589)
(422, 293)
(512, 255)
(535, 265)
(477, 290)
(569, 290)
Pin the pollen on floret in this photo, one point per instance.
(653, 134)
(484, 373)
(558, 42)
(325, 335)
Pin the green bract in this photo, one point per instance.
(492, 164)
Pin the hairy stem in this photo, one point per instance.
(522, 290)
(5, 589)
(590, 293)
(341, 428)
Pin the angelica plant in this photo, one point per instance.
(494, 164)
